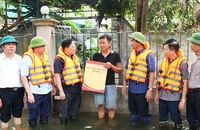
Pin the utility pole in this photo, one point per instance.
(6, 18)
(38, 6)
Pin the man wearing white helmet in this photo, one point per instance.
(11, 90)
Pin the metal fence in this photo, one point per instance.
(87, 44)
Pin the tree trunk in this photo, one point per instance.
(141, 15)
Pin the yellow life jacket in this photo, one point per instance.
(169, 75)
(72, 71)
(137, 67)
(40, 71)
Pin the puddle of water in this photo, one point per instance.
(89, 121)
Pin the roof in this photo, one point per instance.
(12, 10)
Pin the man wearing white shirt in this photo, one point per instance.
(11, 90)
(38, 81)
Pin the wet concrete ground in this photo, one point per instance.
(89, 121)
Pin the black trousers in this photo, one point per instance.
(193, 109)
(70, 106)
(138, 105)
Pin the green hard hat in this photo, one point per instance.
(37, 42)
(195, 38)
(138, 36)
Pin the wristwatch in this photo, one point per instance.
(183, 101)
(150, 89)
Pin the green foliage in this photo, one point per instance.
(85, 54)
(90, 52)
(163, 15)
(73, 26)
(171, 15)
(88, 23)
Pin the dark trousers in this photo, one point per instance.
(193, 109)
(12, 103)
(41, 105)
(70, 106)
(138, 105)
(166, 107)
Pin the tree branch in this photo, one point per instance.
(19, 20)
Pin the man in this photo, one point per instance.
(172, 83)
(193, 95)
(113, 64)
(68, 76)
(139, 73)
(11, 90)
(37, 80)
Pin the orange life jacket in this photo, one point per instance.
(169, 75)
(40, 71)
(137, 66)
(72, 71)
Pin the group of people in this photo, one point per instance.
(174, 84)
(29, 78)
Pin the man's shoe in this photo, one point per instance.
(63, 121)
(134, 123)
(179, 127)
(74, 119)
(32, 123)
(44, 121)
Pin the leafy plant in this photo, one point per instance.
(73, 26)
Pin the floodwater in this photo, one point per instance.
(89, 121)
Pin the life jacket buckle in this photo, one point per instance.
(159, 83)
(160, 71)
(132, 64)
(165, 76)
(47, 77)
(44, 66)
(45, 71)
(79, 76)
(131, 75)
(76, 66)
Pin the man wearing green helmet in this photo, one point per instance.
(193, 95)
(139, 75)
(37, 79)
(11, 90)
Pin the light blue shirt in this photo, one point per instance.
(24, 71)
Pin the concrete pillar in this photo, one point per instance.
(45, 28)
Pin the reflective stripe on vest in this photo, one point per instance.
(137, 66)
(169, 77)
(39, 71)
(72, 71)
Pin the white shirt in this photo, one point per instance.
(9, 71)
(24, 70)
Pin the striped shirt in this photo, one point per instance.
(139, 87)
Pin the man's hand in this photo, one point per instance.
(181, 105)
(108, 65)
(156, 100)
(1, 103)
(62, 95)
(124, 90)
(24, 98)
(31, 98)
(53, 92)
(148, 95)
